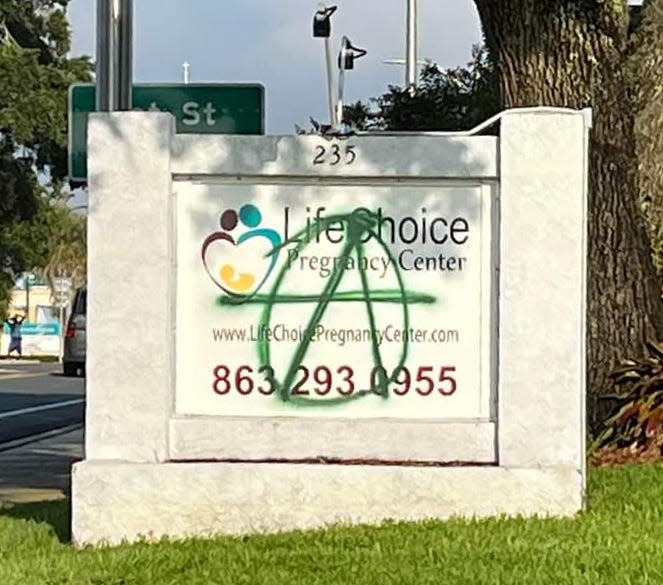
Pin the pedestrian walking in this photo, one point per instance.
(15, 337)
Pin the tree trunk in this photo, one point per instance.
(647, 67)
(574, 54)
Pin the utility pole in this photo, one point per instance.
(412, 62)
(412, 54)
(114, 55)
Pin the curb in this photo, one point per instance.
(16, 443)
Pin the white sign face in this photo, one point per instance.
(344, 301)
(61, 300)
(62, 284)
(62, 288)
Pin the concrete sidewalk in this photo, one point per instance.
(40, 471)
(4, 361)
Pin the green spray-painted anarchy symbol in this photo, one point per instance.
(357, 225)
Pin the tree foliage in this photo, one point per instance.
(635, 429)
(35, 74)
(446, 99)
(52, 244)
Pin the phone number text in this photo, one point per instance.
(323, 381)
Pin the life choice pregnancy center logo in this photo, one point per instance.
(237, 274)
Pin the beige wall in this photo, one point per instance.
(40, 295)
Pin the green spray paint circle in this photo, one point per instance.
(356, 226)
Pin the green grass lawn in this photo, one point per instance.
(618, 540)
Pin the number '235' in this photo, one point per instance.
(334, 155)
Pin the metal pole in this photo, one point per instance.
(114, 55)
(126, 53)
(411, 69)
(322, 29)
(61, 348)
(104, 70)
(339, 103)
(27, 297)
(330, 85)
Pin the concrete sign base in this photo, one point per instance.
(292, 332)
(117, 501)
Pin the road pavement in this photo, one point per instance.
(41, 430)
(40, 471)
(35, 398)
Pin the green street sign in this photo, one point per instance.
(198, 109)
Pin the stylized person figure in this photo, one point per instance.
(15, 338)
(229, 278)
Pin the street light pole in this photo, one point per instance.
(322, 29)
(333, 120)
(114, 71)
(412, 54)
(346, 62)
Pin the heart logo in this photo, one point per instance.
(240, 266)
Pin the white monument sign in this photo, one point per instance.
(380, 327)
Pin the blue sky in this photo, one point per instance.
(270, 41)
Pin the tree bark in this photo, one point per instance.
(647, 68)
(574, 54)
